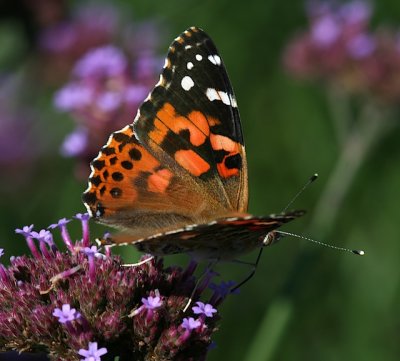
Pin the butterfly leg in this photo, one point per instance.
(251, 274)
(138, 263)
(207, 271)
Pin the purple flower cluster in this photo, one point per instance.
(338, 47)
(83, 303)
(107, 82)
(63, 42)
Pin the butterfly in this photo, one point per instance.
(175, 180)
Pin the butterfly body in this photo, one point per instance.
(175, 181)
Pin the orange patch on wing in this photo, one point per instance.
(199, 119)
(213, 121)
(159, 181)
(226, 172)
(167, 119)
(159, 132)
(192, 162)
(220, 142)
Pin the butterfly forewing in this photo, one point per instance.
(191, 121)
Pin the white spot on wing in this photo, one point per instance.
(199, 57)
(161, 81)
(188, 47)
(224, 97)
(215, 59)
(189, 65)
(166, 63)
(187, 83)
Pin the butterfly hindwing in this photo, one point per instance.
(220, 239)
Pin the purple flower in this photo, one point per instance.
(361, 46)
(92, 253)
(205, 309)
(92, 353)
(75, 143)
(190, 323)
(109, 101)
(152, 303)
(325, 31)
(355, 12)
(104, 61)
(1, 252)
(43, 235)
(25, 231)
(58, 38)
(73, 96)
(62, 222)
(66, 313)
(105, 87)
(135, 93)
(224, 288)
(82, 216)
(40, 290)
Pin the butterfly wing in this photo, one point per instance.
(221, 239)
(191, 121)
(183, 159)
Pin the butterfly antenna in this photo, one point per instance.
(358, 252)
(310, 180)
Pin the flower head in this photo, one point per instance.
(339, 48)
(106, 86)
(63, 300)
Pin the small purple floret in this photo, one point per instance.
(93, 251)
(25, 231)
(224, 288)
(60, 223)
(66, 313)
(190, 323)
(75, 143)
(82, 216)
(205, 309)
(152, 302)
(1, 252)
(92, 353)
(43, 235)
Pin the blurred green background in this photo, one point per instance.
(305, 302)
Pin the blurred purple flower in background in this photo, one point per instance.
(340, 48)
(107, 83)
(360, 69)
(63, 42)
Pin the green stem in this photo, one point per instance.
(269, 334)
(358, 142)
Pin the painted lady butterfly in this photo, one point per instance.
(175, 181)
